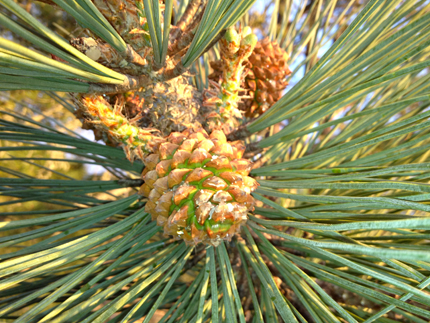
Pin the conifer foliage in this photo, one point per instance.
(274, 173)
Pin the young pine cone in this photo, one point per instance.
(197, 186)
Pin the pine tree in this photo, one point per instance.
(227, 202)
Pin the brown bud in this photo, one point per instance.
(255, 59)
(268, 49)
(249, 203)
(199, 136)
(196, 234)
(161, 220)
(266, 61)
(202, 196)
(150, 207)
(254, 107)
(272, 73)
(170, 227)
(271, 86)
(238, 194)
(250, 182)
(154, 195)
(222, 212)
(161, 211)
(261, 96)
(187, 238)
(282, 63)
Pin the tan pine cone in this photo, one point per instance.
(197, 186)
(266, 78)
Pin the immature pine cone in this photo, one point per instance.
(197, 186)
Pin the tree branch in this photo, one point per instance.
(171, 73)
(253, 148)
(181, 44)
(241, 133)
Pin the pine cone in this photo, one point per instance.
(198, 187)
(265, 81)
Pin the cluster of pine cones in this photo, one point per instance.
(196, 182)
